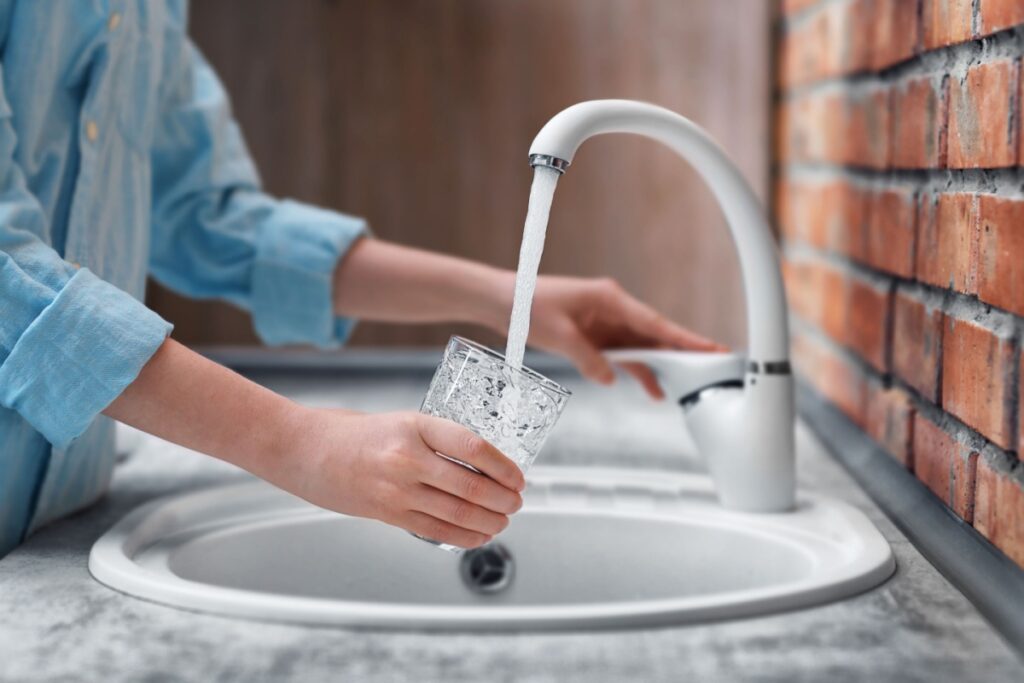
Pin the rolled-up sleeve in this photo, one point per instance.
(217, 235)
(85, 346)
(69, 342)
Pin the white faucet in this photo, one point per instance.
(739, 408)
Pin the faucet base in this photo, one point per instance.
(746, 436)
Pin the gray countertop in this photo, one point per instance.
(58, 624)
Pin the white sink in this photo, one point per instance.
(591, 548)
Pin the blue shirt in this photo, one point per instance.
(119, 158)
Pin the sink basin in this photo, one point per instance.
(592, 547)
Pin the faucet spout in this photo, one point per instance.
(753, 462)
(556, 145)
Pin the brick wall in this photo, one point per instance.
(900, 199)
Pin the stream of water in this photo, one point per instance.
(541, 194)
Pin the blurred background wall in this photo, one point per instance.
(418, 115)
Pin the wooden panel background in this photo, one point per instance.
(418, 114)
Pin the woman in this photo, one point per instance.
(119, 159)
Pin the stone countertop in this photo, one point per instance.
(58, 624)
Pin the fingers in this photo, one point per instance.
(647, 379)
(454, 440)
(470, 486)
(650, 323)
(589, 360)
(688, 340)
(457, 511)
(439, 530)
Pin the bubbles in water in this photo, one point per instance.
(513, 409)
(541, 194)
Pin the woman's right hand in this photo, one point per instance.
(386, 467)
(379, 466)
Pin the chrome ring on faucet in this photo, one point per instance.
(549, 161)
(778, 367)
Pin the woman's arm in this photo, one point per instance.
(574, 317)
(378, 280)
(379, 466)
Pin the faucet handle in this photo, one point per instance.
(683, 374)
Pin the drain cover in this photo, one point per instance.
(489, 569)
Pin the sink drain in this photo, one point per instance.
(487, 570)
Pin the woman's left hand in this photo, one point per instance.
(578, 318)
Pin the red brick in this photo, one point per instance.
(791, 58)
(833, 41)
(1020, 407)
(977, 373)
(866, 327)
(964, 476)
(828, 115)
(918, 124)
(829, 215)
(895, 32)
(980, 106)
(889, 420)
(891, 237)
(811, 49)
(833, 310)
(917, 344)
(999, 506)
(933, 449)
(866, 129)
(851, 311)
(946, 22)
(1001, 252)
(946, 465)
(833, 375)
(947, 241)
(996, 15)
(846, 219)
(792, 6)
(854, 23)
(812, 289)
(800, 286)
(784, 132)
(1020, 119)
(830, 42)
(799, 208)
(841, 218)
(810, 128)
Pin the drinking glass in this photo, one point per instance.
(512, 408)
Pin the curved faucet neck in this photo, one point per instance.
(767, 320)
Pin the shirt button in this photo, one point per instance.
(114, 21)
(92, 131)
